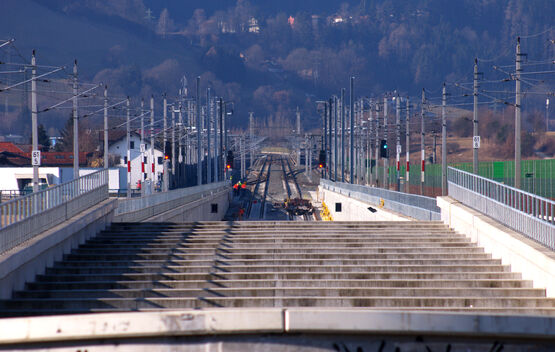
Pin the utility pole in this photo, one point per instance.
(173, 143)
(443, 142)
(298, 137)
(251, 135)
(407, 142)
(34, 126)
(75, 125)
(324, 135)
(335, 113)
(352, 131)
(328, 155)
(221, 166)
(199, 126)
(152, 169)
(342, 134)
(106, 162)
(476, 137)
(165, 179)
(398, 144)
(370, 178)
(143, 174)
(386, 159)
(181, 159)
(376, 111)
(242, 156)
(127, 135)
(208, 146)
(422, 150)
(517, 114)
(215, 125)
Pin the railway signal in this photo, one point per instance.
(322, 160)
(384, 152)
(229, 160)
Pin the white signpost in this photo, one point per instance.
(35, 157)
(143, 147)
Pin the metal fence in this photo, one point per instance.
(527, 213)
(414, 206)
(138, 209)
(23, 218)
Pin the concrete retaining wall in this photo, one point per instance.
(23, 263)
(355, 210)
(534, 261)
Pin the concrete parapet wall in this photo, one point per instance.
(198, 210)
(534, 261)
(177, 205)
(24, 262)
(355, 210)
(321, 329)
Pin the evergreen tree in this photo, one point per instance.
(44, 140)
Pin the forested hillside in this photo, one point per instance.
(272, 56)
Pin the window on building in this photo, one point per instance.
(214, 208)
(338, 207)
(132, 145)
(160, 161)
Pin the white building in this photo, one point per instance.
(118, 148)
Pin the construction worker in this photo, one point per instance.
(235, 189)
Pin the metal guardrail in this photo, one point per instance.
(529, 214)
(415, 206)
(23, 218)
(165, 201)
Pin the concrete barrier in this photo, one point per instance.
(24, 262)
(351, 209)
(534, 261)
(277, 329)
(185, 204)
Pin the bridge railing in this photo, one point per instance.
(23, 218)
(415, 206)
(529, 214)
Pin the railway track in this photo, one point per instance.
(259, 206)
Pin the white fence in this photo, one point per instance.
(25, 217)
(527, 213)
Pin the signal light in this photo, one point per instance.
(384, 152)
(322, 159)
(229, 160)
(320, 166)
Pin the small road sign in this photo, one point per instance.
(476, 142)
(143, 147)
(35, 157)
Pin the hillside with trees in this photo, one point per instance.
(270, 58)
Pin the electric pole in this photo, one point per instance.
(407, 142)
(443, 142)
(352, 131)
(376, 111)
(342, 134)
(165, 173)
(398, 145)
(35, 134)
(143, 174)
(422, 146)
(335, 138)
(386, 159)
(106, 161)
(75, 125)
(128, 142)
(517, 114)
(251, 134)
(208, 146)
(328, 155)
(476, 137)
(199, 127)
(152, 169)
